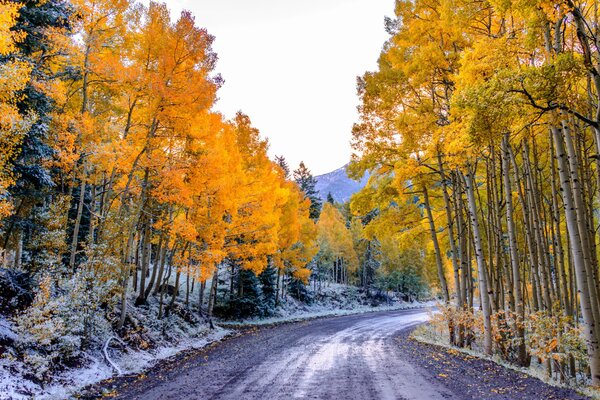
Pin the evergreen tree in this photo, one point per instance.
(269, 290)
(248, 302)
(330, 199)
(281, 161)
(298, 290)
(307, 183)
(371, 262)
(37, 23)
(370, 252)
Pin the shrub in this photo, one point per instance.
(43, 336)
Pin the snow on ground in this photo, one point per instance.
(299, 312)
(6, 331)
(67, 383)
(324, 313)
(332, 300)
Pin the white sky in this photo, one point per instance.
(291, 65)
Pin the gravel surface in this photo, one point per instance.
(367, 356)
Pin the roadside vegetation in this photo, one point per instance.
(481, 131)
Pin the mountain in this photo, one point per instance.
(339, 185)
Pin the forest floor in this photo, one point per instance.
(366, 356)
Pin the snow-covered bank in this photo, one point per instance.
(14, 385)
(313, 312)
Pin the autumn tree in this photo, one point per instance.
(487, 115)
(336, 245)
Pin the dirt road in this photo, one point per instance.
(366, 356)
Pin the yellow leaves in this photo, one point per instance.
(45, 290)
(172, 187)
(302, 274)
(8, 15)
(483, 105)
(14, 75)
(554, 336)
(138, 123)
(334, 239)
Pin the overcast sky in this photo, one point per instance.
(291, 65)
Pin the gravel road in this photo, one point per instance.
(367, 356)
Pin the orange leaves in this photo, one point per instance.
(184, 229)
(302, 274)
(138, 127)
(172, 187)
(554, 336)
(296, 233)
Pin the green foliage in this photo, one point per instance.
(268, 282)
(298, 290)
(307, 183)
(330, 199)
(246, 301)
(407, 282)
(37, 22)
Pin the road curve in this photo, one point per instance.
(351, 357)
(366, 356)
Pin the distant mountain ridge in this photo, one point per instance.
(339, 185)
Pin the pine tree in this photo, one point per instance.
(330, 199)
(248, 301)
(307, 183)
(298, 290)
(269, 290)
(282, 162)
(37, 22)
(39, 25)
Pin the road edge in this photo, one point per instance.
(587, 391)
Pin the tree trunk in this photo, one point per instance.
(146, 255)
(75, 239)
(481, 267)
(212, 298)
(450, 220)
(436, 246)
(514, 254)
(576, 245)
(157, 265)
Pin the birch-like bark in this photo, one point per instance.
(578, 257)
(514, 253)
(451, 237)
(481, 266)
(436, 246)
(75, 239)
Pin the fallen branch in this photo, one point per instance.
(108, 360)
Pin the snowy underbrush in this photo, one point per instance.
(436, 333)
(330, 300)
(94, 367)
(33, 361)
